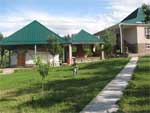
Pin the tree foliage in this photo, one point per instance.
(146, 10)
(1, 51)
(54, 46)
(110, 41)
(1, 36)
(88, 51)
(43, 70)
(67, 37)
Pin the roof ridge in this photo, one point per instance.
(130, 16)
(30, 31)
(88, 33)
(32, 23)
(46, 28)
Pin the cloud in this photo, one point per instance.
(117, 10)
(59, 24)
(122, 8)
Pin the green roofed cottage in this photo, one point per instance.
(133, 34)
(29, 42)
(32, 40)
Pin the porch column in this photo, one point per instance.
(121, 38)
(70, 54)
(9, 58)
(35, 50)
(102, 52)
(63, 54)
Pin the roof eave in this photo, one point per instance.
(122, 23)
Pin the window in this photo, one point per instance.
(147, 46)
(147, 32)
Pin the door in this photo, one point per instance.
(21, 58)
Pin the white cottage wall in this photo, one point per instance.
(45, 57)
(13, 59)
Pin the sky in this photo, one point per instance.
(65, 16)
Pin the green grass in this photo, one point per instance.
(64, 93)
(136, 98)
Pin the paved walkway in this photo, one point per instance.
(105, 101)
(7, 70)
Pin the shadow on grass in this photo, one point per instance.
(75, 92)
(139, 88)
(141, 102)
(106, 64)
(7, 99)
(140, 111)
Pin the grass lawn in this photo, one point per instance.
(136, 97)
(64, 93)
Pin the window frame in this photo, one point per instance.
(147, 45)
(147, 32)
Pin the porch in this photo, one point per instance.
(23, 55)
(82, 53)
(83, 45)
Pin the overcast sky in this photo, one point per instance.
(65, 16)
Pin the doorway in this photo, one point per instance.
(21, 58)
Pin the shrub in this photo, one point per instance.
(88, 51)
(43, 70)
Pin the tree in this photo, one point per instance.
(110, 41)
(54, 47)
(67, 37)
(1, 36)
(88, 51)
(146, 10)
(1, 49)
(43, 70)
(2, 52)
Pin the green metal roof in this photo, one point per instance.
(36, 33)
(33, 33)
(136, 17)
(84, 37)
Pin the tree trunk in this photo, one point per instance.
(42, 86)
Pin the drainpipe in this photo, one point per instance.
(121, 37)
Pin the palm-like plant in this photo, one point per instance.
(54, 47)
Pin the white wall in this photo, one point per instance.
(13, 59)
(141, 35)
(130, 35)
(45, 57)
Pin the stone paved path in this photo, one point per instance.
(7, 70)
(105, 101)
